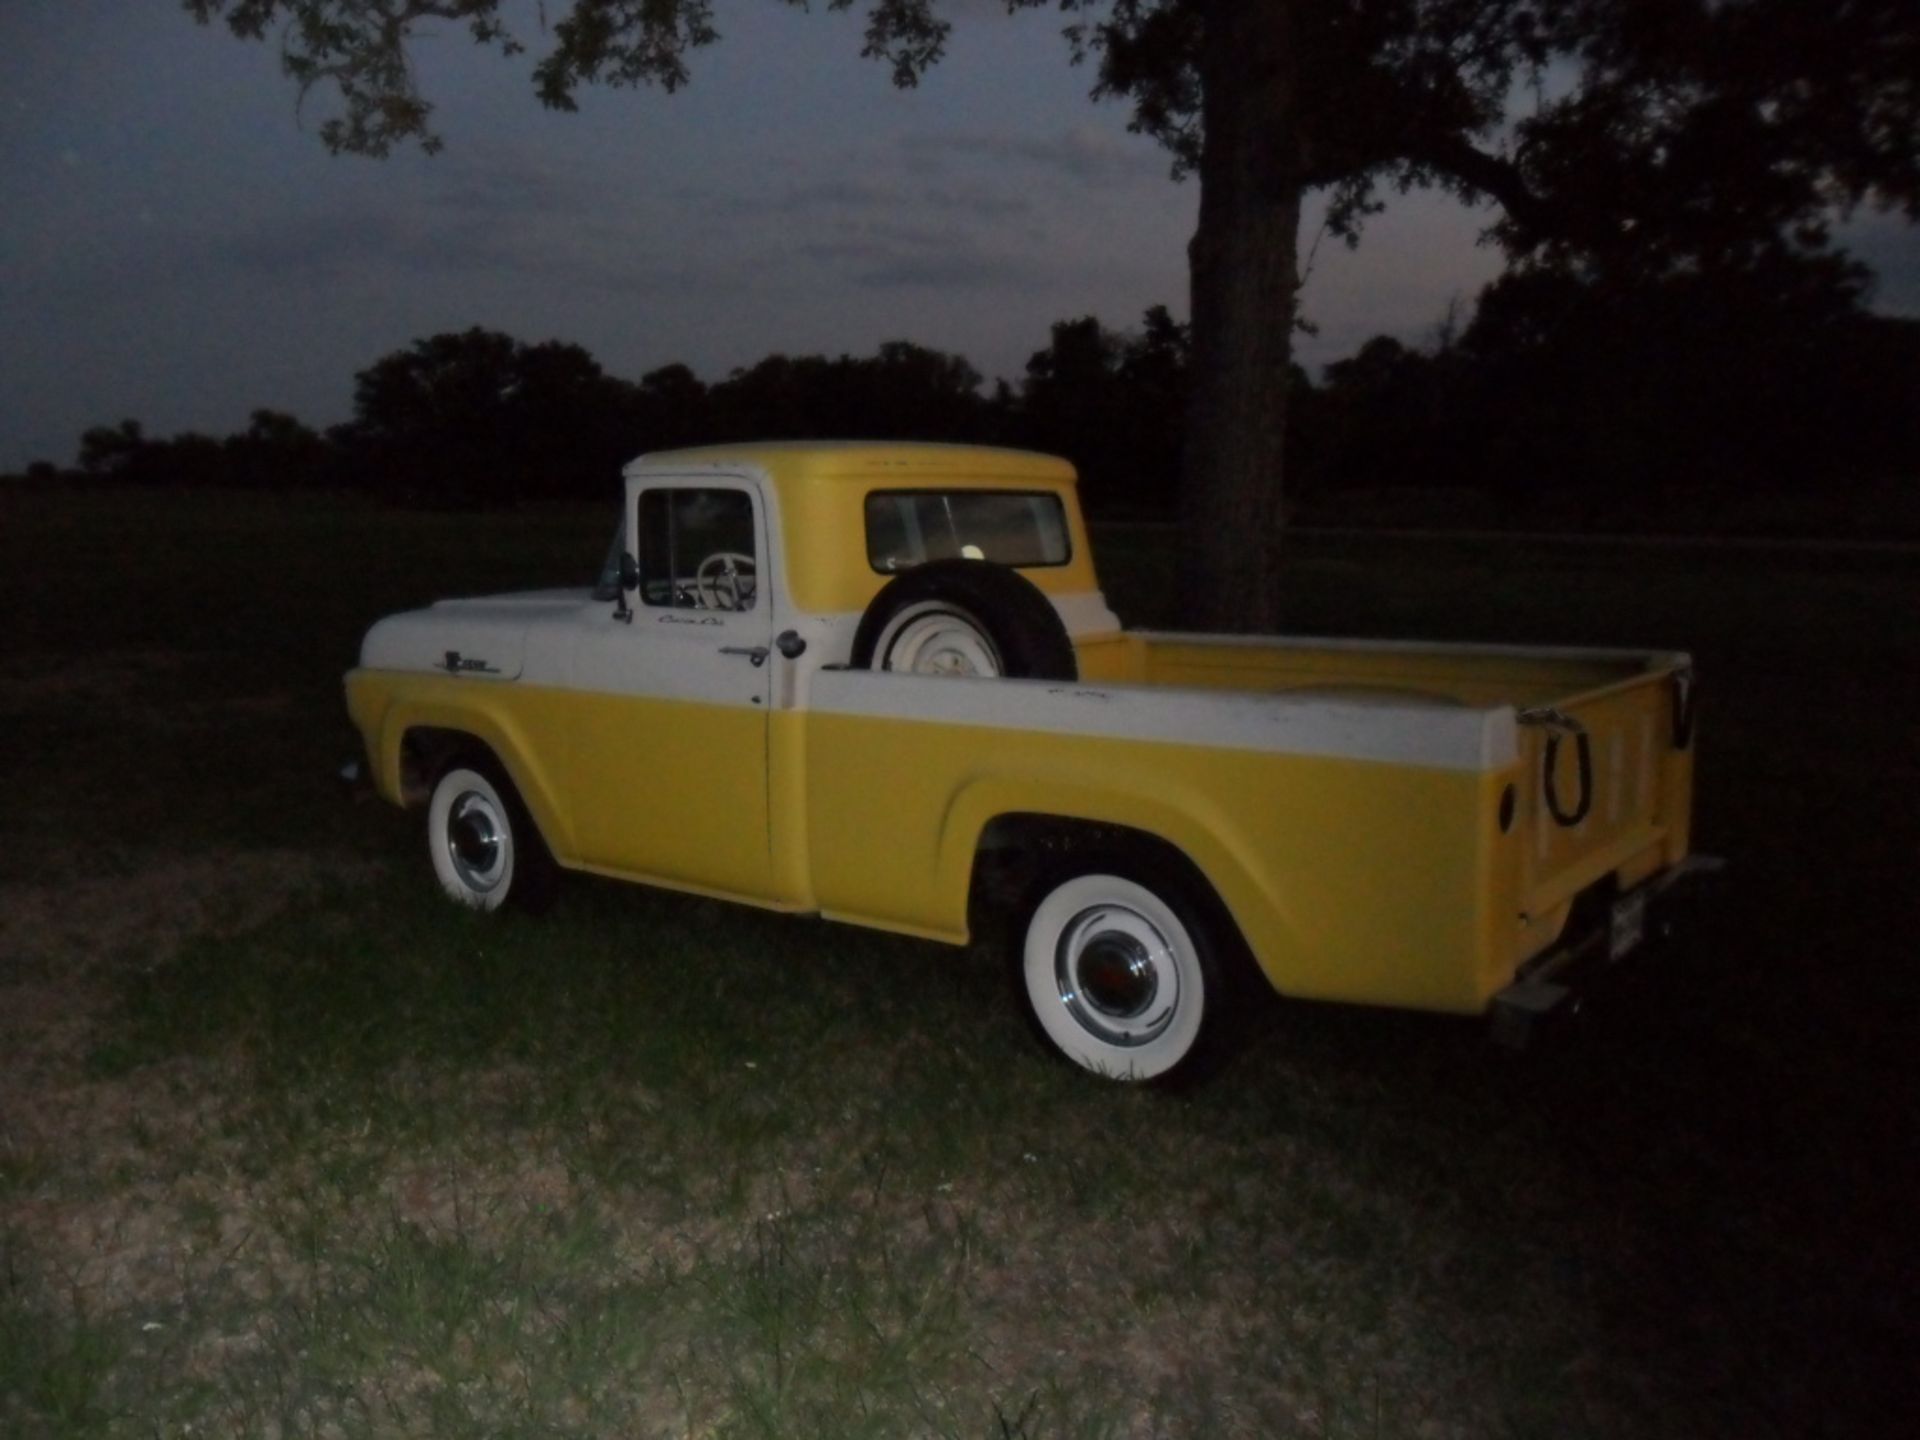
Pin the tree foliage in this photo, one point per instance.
(1564, 399)
(1113, 402)
(904, 391)
(1652, 138)
(1650, 133)
(107, 450)
(478, 417)
(1576, 399)
(274, 452)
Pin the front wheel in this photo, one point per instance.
(1122, 976)
(485, 849)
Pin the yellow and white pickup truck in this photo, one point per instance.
(856, 680)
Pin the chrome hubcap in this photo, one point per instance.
(476, 842)
(1116, 975)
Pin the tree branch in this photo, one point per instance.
(1484, 174)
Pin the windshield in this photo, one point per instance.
(910, 527)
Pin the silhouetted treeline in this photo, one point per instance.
(1570, 397)
(1561, 401)
(274, 452)
(478, 418)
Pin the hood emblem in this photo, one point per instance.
(458, 664)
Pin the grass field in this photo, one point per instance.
(289, 1147)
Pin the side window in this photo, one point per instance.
(696, 550)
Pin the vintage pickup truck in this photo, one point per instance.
(858, 680)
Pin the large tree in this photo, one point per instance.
(1615, 135)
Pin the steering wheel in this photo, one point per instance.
(725, 581)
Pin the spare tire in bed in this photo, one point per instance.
(964, 617)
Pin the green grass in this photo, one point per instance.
(288, 1146)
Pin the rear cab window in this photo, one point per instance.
(906, 528)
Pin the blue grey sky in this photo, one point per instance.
(178, 248)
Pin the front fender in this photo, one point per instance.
(503, 716)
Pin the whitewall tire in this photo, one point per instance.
(1121, 977)
(484, 848)
(932, 637)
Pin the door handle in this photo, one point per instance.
(756, 653)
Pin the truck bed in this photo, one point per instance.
(1388, 804)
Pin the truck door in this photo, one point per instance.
(668, 762)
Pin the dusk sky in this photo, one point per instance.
(178, 249)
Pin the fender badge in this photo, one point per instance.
(456, 664)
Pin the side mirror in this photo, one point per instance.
(629, 579)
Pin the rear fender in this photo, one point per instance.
(1186, 822)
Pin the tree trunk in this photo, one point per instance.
(1245, 278)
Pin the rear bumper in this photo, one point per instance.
(1551, 985)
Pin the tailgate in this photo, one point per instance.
(1607, 789)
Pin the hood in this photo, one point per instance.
(484, 639)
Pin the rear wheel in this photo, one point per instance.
(483, 844)
(1122, 974)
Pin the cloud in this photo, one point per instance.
(828, 195)
(454, 213)
(885, 256)
(335, 246)
(462, 223)
(1081, 153)
(973, 200)
(829, 198)
(949, 270)
(504, 185)
(325, 246)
